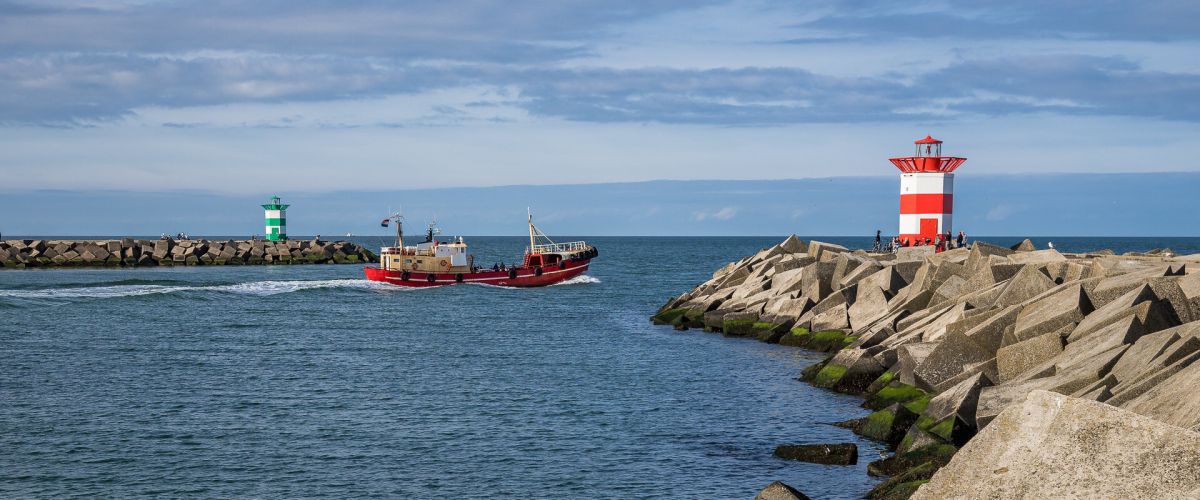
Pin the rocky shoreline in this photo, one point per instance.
(129, 252)
(943, 346)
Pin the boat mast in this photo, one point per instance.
(532, 239)
(400, 231)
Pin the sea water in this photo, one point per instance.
(299, 381)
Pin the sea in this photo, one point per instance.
(308, 381)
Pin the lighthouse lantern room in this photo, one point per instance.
(276, 220)
(926, 192)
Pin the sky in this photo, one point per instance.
(230, 98)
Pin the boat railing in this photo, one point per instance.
(574, 246)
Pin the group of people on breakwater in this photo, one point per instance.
(942, 243)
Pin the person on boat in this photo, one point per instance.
(878, 241)
(495, 267)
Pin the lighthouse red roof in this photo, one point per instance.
(927, 140)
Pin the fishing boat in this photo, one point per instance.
(437, 263)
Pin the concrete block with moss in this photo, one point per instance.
(739, 323)
(795, 337)
(895, 392)
(889, 425)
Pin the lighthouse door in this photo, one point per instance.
(929, 228)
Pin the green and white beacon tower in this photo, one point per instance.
(276, 214)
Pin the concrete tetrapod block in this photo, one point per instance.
(1168, 290)
(1139, 358)
(1055, 446)
(816, 282)
(948, 359)
(989, 333)
(1110, 288)
(870, 304)
(850, 370)
(1028, 283)
(832, 454)
(1172, 400)
(958, 401)
(1140, 303)
(1015, 359)
(793, 245)
(832, 319)
(1037, 257)
(1026, 245)
(908, 357)
(904, 254)
(779, 491)
(1065, 307)
(935, 329)
(1190, 285)
(1128, 392)
(819, 249)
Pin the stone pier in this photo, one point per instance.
(129, 252)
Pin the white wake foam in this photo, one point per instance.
(578, 280)
(260, 288)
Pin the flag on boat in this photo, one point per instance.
(385, 222)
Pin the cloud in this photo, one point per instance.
(1153, 20)
(77, 88)
(724, 213)
(148, 54)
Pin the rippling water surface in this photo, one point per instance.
(309, 381)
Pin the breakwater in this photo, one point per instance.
(129, 252)
(940, 345)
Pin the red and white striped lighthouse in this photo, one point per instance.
(926, 192)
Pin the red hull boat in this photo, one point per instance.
(436, 263)
(515, 277)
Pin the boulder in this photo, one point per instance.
(831, 454)
(779, 491)
(1055, 446)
